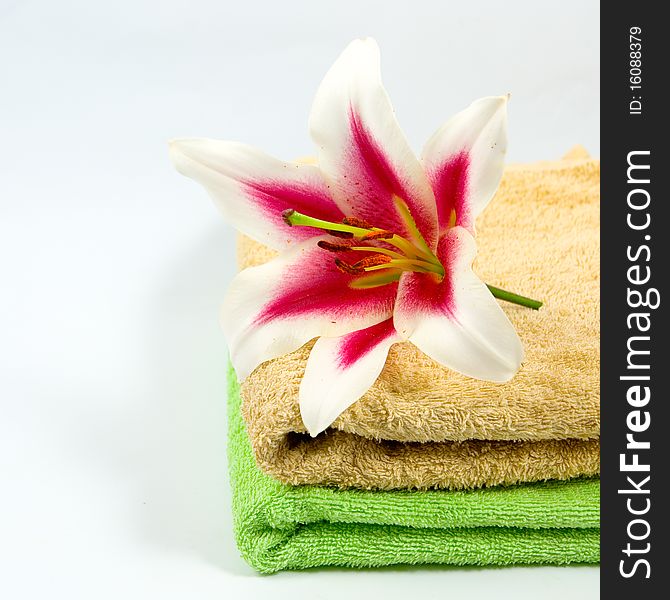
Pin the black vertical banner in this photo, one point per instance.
(635, 374)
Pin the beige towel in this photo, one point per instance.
(422, 425)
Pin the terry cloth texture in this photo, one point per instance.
(279, 526)
(422, 425)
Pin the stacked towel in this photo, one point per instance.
(365, 492)
(422, 425)
(280, 526)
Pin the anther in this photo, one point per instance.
(371, 261)
(333, 247)
(356, 222)
(347, 268)
(345, 235)
(378, 235)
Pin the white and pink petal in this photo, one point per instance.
(252, 189)
(340, 370)
(362, 151)
(457, 321)
(464, 161)
(277, 307)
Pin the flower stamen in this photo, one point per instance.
(356, 222)
(384, 251)
(325, 245)
(378, 235)
(375, 279)
(345, 235)
(333, 247)
(408, 255)
(407, 265)
(347, 268)
(372, 261)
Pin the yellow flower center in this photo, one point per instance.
(387, 252)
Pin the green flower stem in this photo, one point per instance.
(514, 298)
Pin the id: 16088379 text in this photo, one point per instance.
(635, 70)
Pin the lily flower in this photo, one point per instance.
(375, 246)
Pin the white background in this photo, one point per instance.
(112, 434)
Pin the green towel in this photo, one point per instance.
(279, 526)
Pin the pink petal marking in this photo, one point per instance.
(450, 185)
(372, 160)
(359, 343)
(316, 286)
(423, 293)
(272, 197)
(372, 181)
